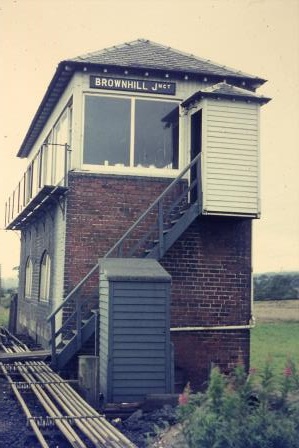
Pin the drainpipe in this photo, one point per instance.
(214, 328)
(252, 318)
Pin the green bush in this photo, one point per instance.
(241, 412)
(280, 286)
(5, 301)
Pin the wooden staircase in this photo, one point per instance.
(154, 232)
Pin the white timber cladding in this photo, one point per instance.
(231, 158)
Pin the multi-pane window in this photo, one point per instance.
(131, 132)
(28, 278)
(52, 159)
(44, 280)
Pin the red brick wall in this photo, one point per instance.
(99, 211)
(210, 265)
(197, 352)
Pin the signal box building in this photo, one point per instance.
(140, 151)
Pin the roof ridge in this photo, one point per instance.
(221, 84)
(165, 47)
(200, 59)
(236, 89)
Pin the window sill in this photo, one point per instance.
(130, 171)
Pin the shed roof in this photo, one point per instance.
(139, 55)
(133, 269)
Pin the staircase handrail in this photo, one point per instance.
(125, 235)
(156, 202)
(161, 250)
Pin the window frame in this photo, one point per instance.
(52, 149)
(131, 169)
(44, 277)
(28, 278)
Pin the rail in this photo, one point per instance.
(63, 407)
(151, 226)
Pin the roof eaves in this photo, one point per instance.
(233, 95)
(231, 73)
(253, 82)
(61, 78)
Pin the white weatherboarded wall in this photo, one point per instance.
(231, 158)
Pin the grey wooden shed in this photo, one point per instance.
(135, 348)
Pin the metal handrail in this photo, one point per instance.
(157, 202)
(32, 181)
(152, 206)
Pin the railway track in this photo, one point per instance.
(61, 406)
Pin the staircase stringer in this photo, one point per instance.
(166, 238)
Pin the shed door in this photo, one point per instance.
(196, 147)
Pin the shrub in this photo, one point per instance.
(240, 412)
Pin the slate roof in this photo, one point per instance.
(225, 91)
(146, 54)
(139, 55)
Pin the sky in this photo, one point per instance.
(260, 37)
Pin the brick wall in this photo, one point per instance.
(197, 352)
(100, 209)
(31, 312)
(210, 265)
(47, 233)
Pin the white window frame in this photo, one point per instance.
(44, 277)
(28, 278)
(52, 153)
(131, 170)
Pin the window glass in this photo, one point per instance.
(44, 281)
(28, 278)
(156, 134)
(107, 131)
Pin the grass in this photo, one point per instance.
(276, 341)
(4, 316)
(276, 334)
(4, 310)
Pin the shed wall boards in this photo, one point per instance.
(135, 350)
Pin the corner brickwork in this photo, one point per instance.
(210, 266)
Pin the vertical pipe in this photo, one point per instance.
(13, 205)
(96, 332)
(65, 164)
(79, 318)
(198, 179)
(160, 227)
(40, 167)
(9, 209)
(31, 179)
(53, 341)
(19, 194)
(24, 191)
